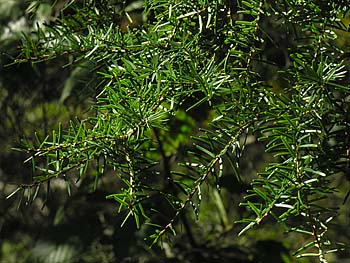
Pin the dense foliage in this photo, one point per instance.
(179, 93)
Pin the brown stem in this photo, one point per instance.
(167, 176)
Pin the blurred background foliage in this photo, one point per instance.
(84, 227)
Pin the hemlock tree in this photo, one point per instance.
(182, 87)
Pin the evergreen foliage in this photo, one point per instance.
(180, 87)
